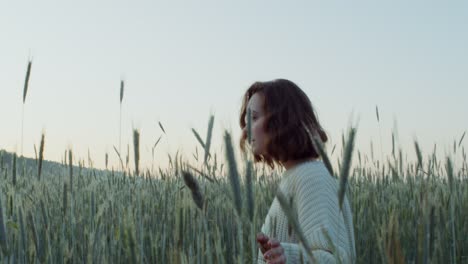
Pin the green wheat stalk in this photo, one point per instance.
(233, 173)
(41, 157)
(122, 86)
(449, 168)
(3, 234)
(25, 92)
(161, 126)
(461, 139)
(22, 232)
(106, 159)
(194, 187)
(136, 147)
(70, 164)
(345, 168)
(197, 136)
(120, 158)
(249, 187)
(249, 126)
(236, 189)
(418, 155)
(208, 139)
(14, 169)
(318, 146)
(380, 132)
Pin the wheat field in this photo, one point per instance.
(209, 212)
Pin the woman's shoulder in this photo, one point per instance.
(310, 175)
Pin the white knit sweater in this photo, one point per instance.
(313, 193)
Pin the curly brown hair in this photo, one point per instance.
(288, 110)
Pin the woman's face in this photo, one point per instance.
(259, 136)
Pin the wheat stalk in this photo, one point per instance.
(120, 158)
(318, 146)
(249, 188)
(25, 92)
(419, 155)
(41, 156)
(162, 128)
(122, 84)
(233, 173)
(192, 184)
(14, 169)
(70, 164)
(461, 139)
(344, 173)
(22, 232)
(380, 133)
(106, 159)
(197, 136)
(249, 126)
(136, 147)
(3, 234)
(236, 189)
(208, 139)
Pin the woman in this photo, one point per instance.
(280, 113)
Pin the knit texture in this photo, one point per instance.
(313, 193)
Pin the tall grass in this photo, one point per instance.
(74, 215)
(163, 221)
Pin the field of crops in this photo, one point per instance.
(404, 211)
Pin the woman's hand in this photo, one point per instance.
(271, 249)
(262, 241)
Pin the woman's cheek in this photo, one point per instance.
(254, 130)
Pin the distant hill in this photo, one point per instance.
(31, 165)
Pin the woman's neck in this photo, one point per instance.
(291, 163)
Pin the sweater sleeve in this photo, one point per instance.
(295, 254)
(317, 213)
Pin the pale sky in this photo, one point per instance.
(183, 60)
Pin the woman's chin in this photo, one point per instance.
(256, 152)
